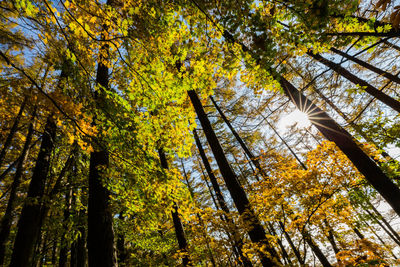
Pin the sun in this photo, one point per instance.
(296, 117)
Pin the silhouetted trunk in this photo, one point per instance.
(384, 221)
(333, 132)
(291, 244)
(78, 248)
(383, 227)
(368, 66)
(62, 262)
(29, 221)
(256, 232)
(121, 243)
(378, 236)
(7, 218)
(386, 42)
(331, 237)
(286, 144)
(384, 98)
(179, 232)
(101, 250)
(12, 132)
(203, 227)
(283, 250)
(253, 159)
(237, 240)
(315, 248)
(358, 233)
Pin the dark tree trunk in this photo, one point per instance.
(384, 98)
(289, 239)
(283, 249)
(203, 227)
(100, 242)
(331, 237)
(256, 233)
(237, 240)
(368, 66)
(29, 221)
(100, 231)
(63, 259)
(383, 227)
(12, 132)
(384, 221)
(317, 251)
(253, 159)
(358, 233)
(333, 132)
(179, 232)
(7, 218)
(122, 255)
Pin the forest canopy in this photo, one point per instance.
(199, 133)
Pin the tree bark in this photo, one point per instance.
(315, 248)
(368, 66)
(29, 221)
(289, 239)
(7, 218)
(333, 132)
(256, 232)
(179, 232)
(253, 159)
(237, 240)
(101, 249)
(12, 132)
(384, 98)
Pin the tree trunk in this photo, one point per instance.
(253, 159)
(315, 248)
(256, 233)
(7, 218)
(237, 240)
(289, 239)
(122, 255)
(101, 250)
(180, 233)
(203, 227)
(384, 98)
(62, 262)
(333, 132)
(12, 132)
(284, 252)
(368, 66)
(29, 221)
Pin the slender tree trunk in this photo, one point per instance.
(101, 250)
(256, 233)
(203, 227)
(333, 132)
(12, 132)
(253, 159)
(383, 227)
(180, 234)
(284, 252)
(384, 98)
(63, 259)
(331, 237)
(29, 221)
(237, 240)
(290, 241)
(315, 248)
(7, 218)
(368, 66)
(384, 221)
(122, 255)
(392, 45)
